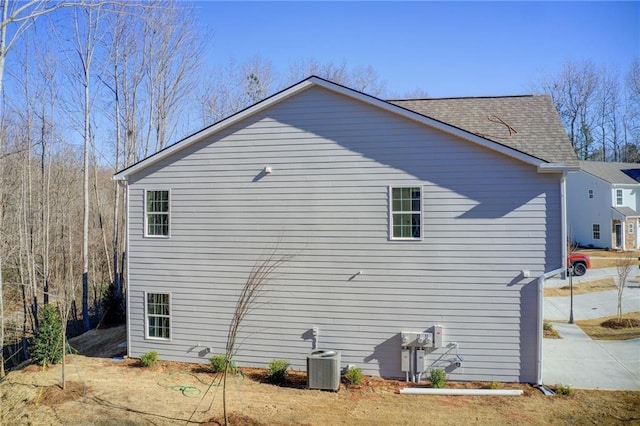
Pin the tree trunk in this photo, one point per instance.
(85, 210)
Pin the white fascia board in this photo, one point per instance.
(557, 168)
(625, 185)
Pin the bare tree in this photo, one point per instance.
(172, 55)
(361, 78)
(252, 290)
(624, 267)
(631, 116)
(235, 86)
(86, 38)
(607, 105)
(574, 92)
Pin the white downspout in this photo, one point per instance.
(562, 270)
(125, 184)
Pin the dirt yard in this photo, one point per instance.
(102, 391)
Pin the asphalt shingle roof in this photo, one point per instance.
(610, 172)
(626, 211)
(529, 123)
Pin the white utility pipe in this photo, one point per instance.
(487, 392)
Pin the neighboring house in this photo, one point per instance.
(604, 204)
(401, 215)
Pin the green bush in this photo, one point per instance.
(278, 371)
(148, 359)
(564, 390)
(45, 346)
(353, 375)
(218, 363)
(494, 385)
(438, 378)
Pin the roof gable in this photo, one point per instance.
(613, 172)
(412, 114)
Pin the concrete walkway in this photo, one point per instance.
(580, 362)
(577, 360)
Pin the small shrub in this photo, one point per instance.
(494, 385)
(353, 375)
(549, 331)
(219, 361)
(564, 390)
(438, 378)
(45, 346)
(278, 371)
(148, 359)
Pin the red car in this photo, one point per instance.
(580, 263)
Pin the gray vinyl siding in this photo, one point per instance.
(486, 217)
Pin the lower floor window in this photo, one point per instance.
(596, 231)
(158, 312)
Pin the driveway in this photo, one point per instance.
(577, 360)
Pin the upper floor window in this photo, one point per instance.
(406, 213)
(618, 197)
(591, 193)
(596, 231)
(157, 213)
(158, 315)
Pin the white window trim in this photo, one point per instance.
(146, 317)
(390, 212)
(621, 197)
(630, 228)
(145, 213)
(593, 231)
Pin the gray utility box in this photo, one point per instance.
(323, 370)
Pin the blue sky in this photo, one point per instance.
(445, 48)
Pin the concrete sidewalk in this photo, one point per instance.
(580, 362)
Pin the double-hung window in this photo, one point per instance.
(406, 213)
(158, 315)
(596, 231)
(619, 199)
(156, 213)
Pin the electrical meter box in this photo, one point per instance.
(418, 339)
(406, 360)
(437, 336)
(421, 360)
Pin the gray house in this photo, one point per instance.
(603, 201)
(422, 232)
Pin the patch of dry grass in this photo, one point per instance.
(582, 288)
(596, 331)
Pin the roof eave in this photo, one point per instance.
(557, 168)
